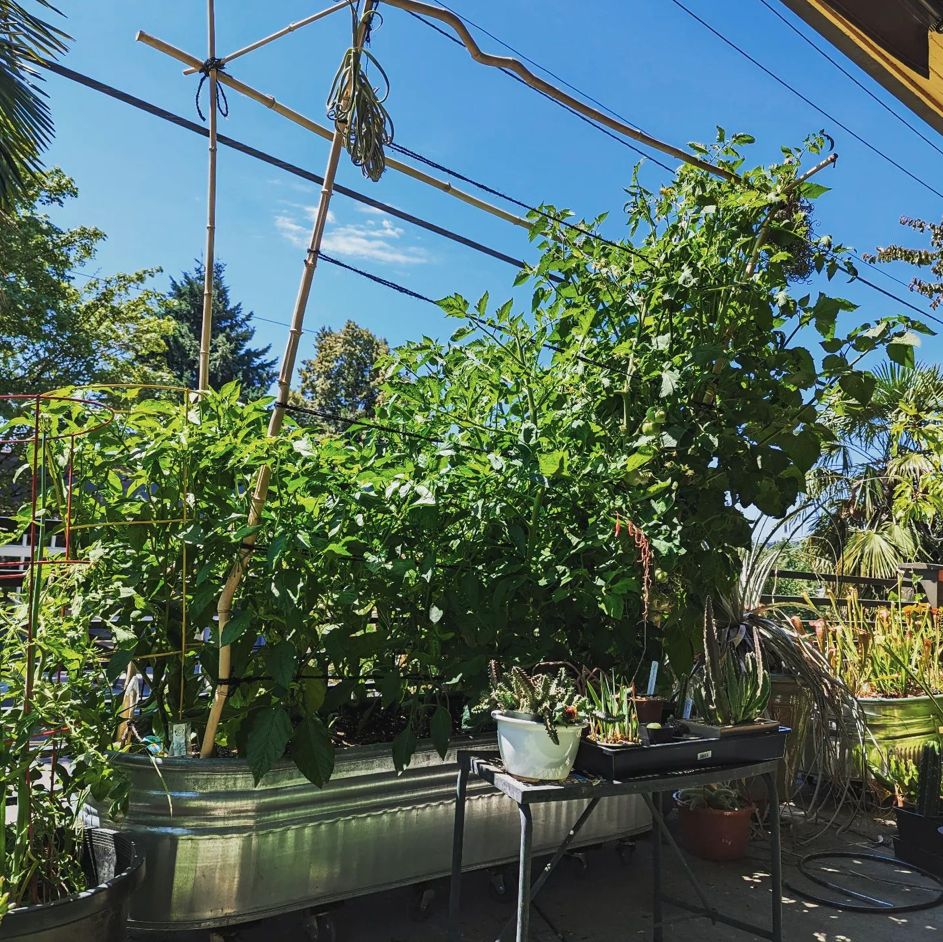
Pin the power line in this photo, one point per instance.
(479, 322)
(257, 154)
(559, 104)
(606, 131)
(808, 101)
(853, 78)
(254, 152)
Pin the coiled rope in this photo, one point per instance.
(356, 107)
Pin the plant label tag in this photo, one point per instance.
(652, 677)
(701, 756)
(688, 706)
(180, 739)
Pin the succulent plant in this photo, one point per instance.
(717, 797)
(552, 698)
(928, 781)
(733, 688)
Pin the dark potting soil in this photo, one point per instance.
(368, 724)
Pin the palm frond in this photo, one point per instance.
(25, 121)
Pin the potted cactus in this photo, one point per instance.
(919, 816)
(714, 821)
(730, 694)
(540, 720)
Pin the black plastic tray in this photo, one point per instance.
(621, 762)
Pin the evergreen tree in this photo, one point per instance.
(231, 357)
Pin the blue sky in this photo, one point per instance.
(143, 181)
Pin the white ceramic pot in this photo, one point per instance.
(528, 752)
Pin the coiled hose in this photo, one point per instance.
(356, 107)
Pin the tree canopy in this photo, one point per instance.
(57, 326)
(231, 356)
(342, 377)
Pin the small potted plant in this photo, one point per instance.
(58, 878)
(918, 811)
(620, 745)
(540, 720)
(730, 695)
(714, 821)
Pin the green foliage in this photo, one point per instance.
(715, 797)
(614, 718)
(892, 651)
(928, 781)
(54, 330)
(485, 516)
(25, 122)
(57, 707)
(551, 698)
(342, 378)
(733, 688)
(880, 484)
(231, 357)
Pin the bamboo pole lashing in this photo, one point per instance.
(224, 606)
(301, 120)
(290, 28)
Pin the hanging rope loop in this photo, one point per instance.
(356, 107)
(221, 103)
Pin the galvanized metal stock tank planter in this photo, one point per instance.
(221, 851)
(892, 726)
(900, 726)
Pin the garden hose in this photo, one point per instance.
(356, 107)
(878, 906)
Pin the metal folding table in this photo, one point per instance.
(487, 766)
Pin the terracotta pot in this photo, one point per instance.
(650, 709)
(715, 835)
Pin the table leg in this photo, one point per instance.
(458, 846)
(523, 882)
(776, 865)
(657, 910)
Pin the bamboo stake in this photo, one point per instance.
(290, 28)
(505, 62)
(296, 117)
(224, 607)
(206, 332)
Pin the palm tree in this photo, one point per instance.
(881, 483)
(25, 121)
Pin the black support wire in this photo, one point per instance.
(257, 154)
(559, 104)
(488, 189)
(188, 125)
(477, 321)
(849, 75)
(873, 148)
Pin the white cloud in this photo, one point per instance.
(377, 239)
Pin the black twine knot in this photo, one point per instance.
(222, 104)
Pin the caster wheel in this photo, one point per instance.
(319, 927)
(502, 884)
(578, 864)
(227, 935)
(625, 850)
(420, 903)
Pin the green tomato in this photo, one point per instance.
(649, 428)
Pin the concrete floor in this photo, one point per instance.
(611, 899)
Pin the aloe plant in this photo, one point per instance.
(732, 689)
